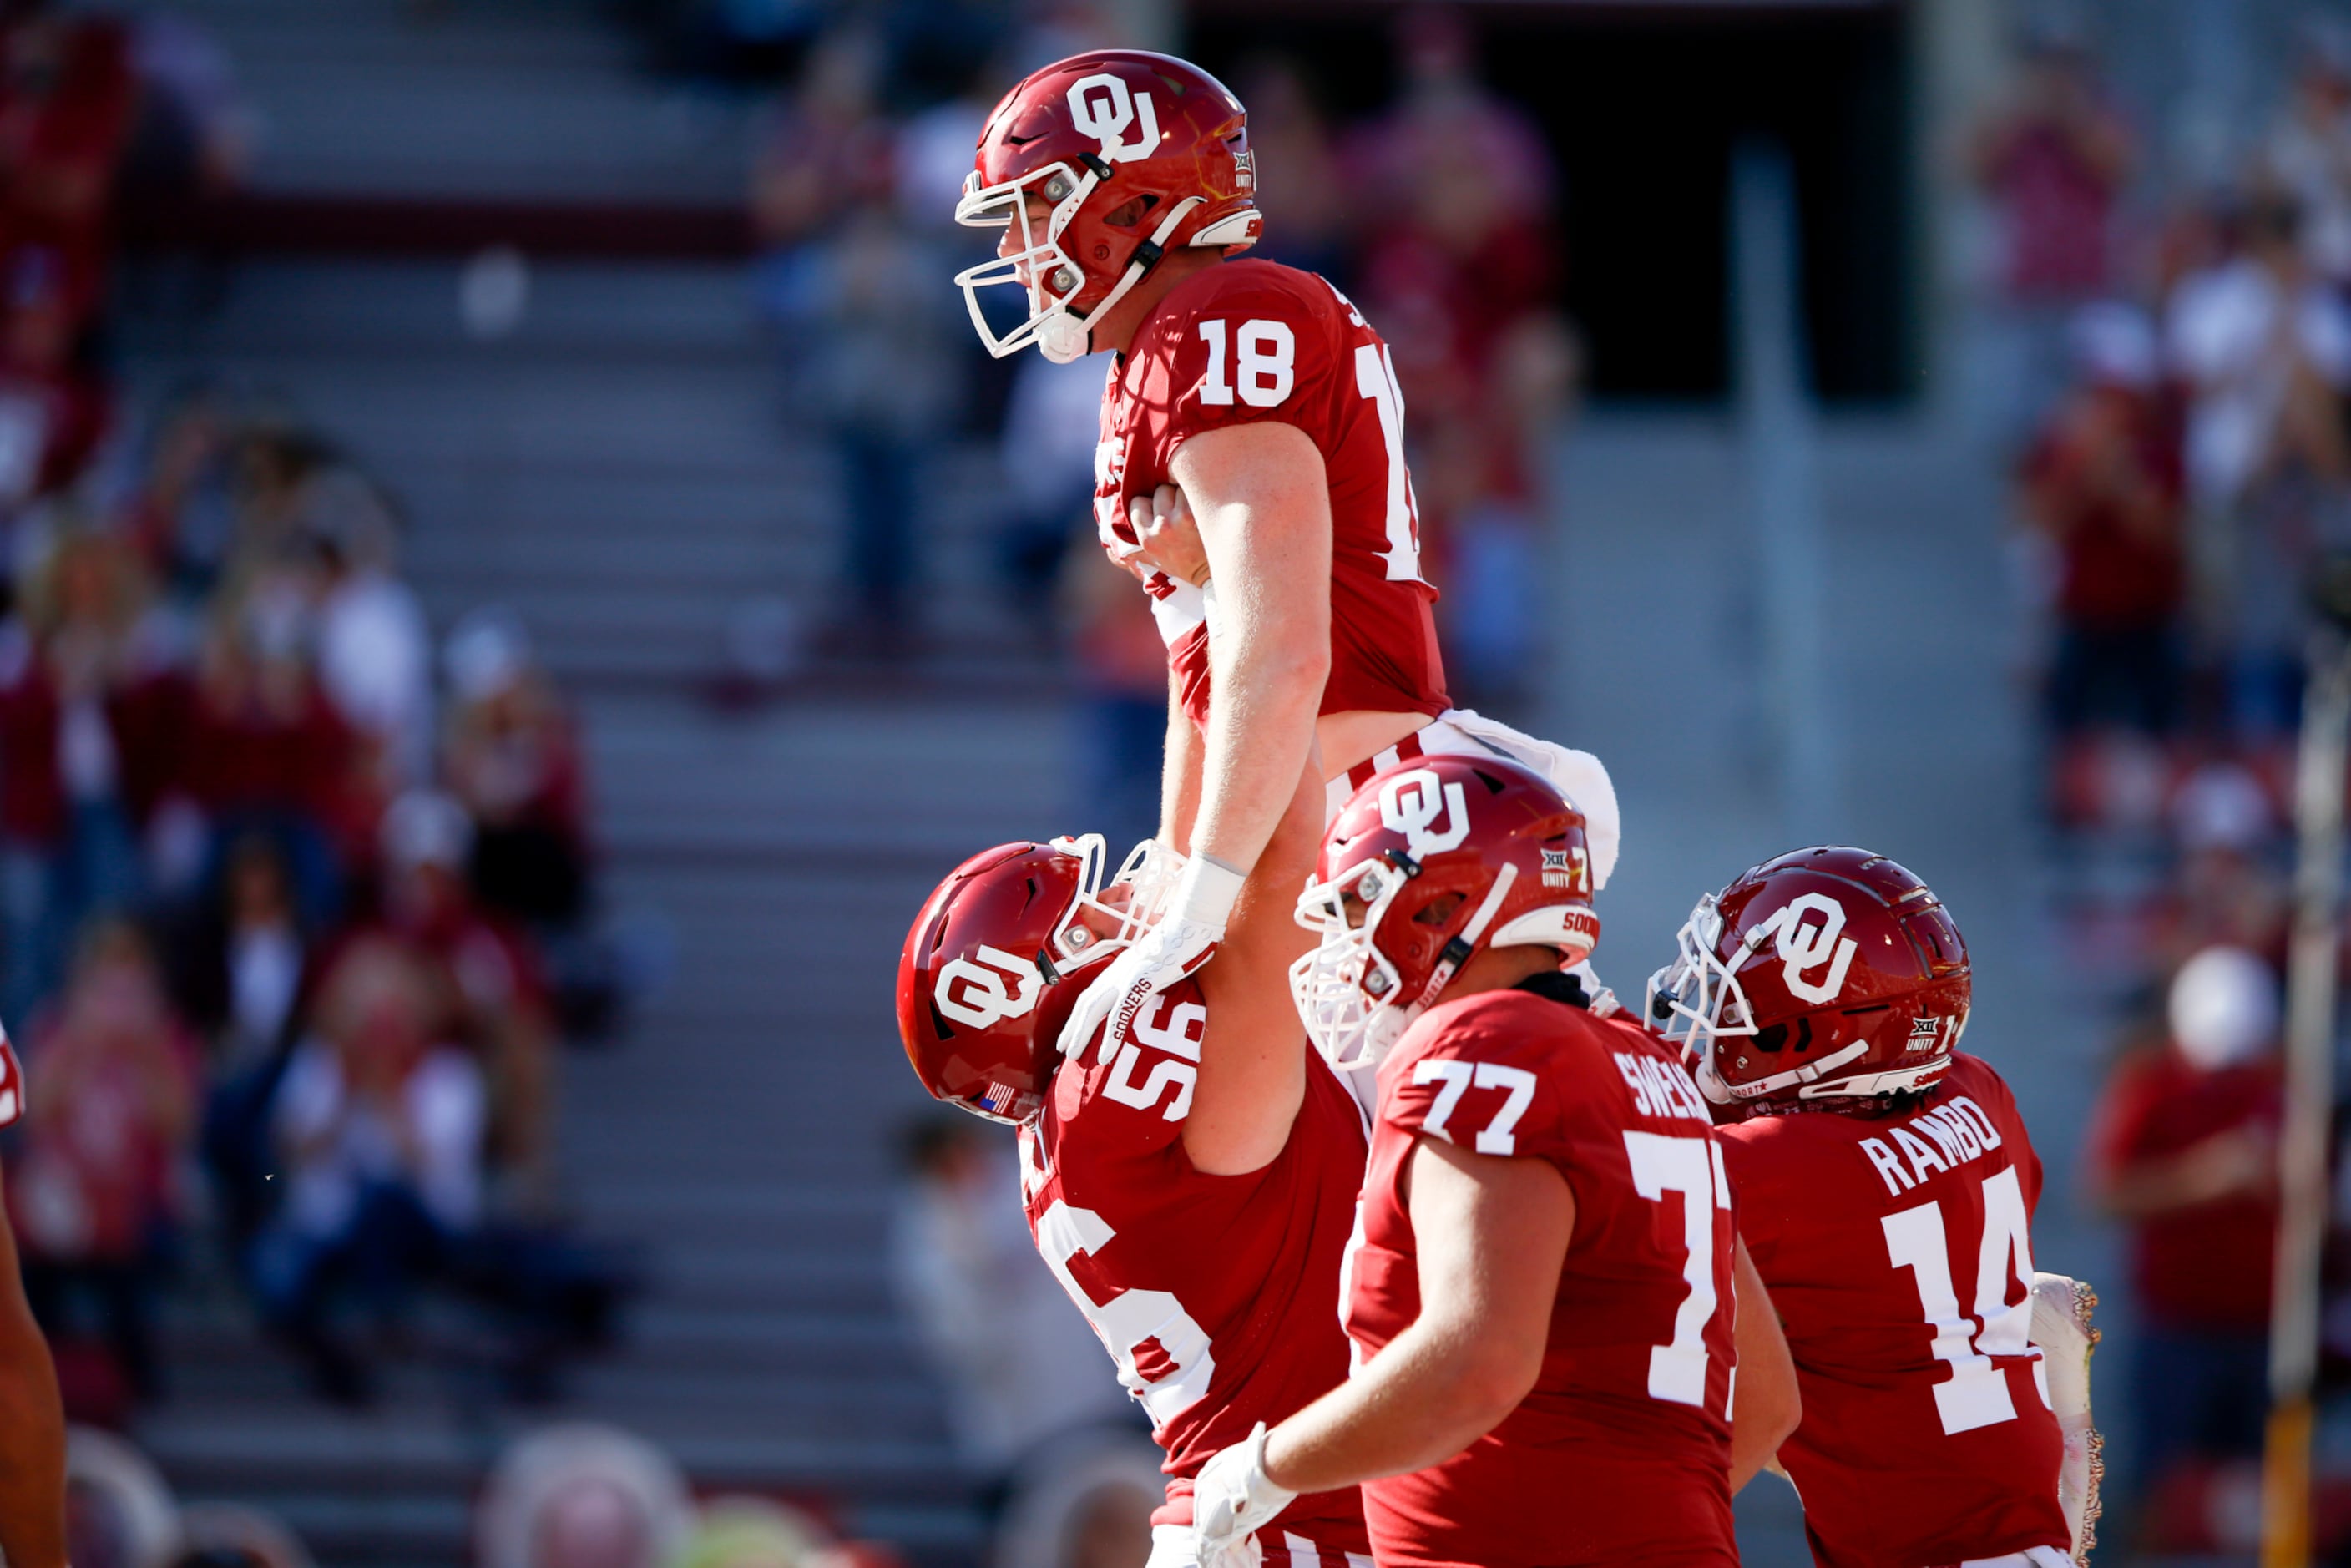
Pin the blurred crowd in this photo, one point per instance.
(570, 1495)
(1436, 214)
(294, 903)
(2166, 359)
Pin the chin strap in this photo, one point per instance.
(1061, 343)
(1725, 1094)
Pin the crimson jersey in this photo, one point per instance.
(1622, 1453)
(1249, 340)
(1899, 1254)
(1217, 1296)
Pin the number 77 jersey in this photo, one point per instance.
(1622, 1452)
(1898, 1251)
(1252, 341)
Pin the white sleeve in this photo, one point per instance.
(447, 1111)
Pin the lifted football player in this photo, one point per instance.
(32, 1423)
(1887, 1186)
(1254, 399)
(1191, 1188)
(1544, 1290)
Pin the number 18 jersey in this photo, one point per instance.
(1622, 1452)
(1898, 1253)
(1252, 340)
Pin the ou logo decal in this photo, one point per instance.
(1100, 106)
(1410, 803)
(987, 987)
(1804, 947)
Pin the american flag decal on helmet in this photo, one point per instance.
(998, 1099)
(12, 1084)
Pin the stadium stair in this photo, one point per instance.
(624, 470)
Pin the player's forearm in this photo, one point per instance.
(1424, 1400)
(1180, 787)
(32, 1437)
(1268, 688)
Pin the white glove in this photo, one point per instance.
(1231, 1501)
(2062, 1328)
(1185, 938)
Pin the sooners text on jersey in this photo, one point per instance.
(1249, 340)
(1622, 1453)
(1898, 1253)
(1217, 1295)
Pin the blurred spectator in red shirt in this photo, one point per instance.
(54, 409)
(1460, 266)
(67, 100)
(90, 709)
(2103, 484)
(511, 755)
(110, 1109)
(267, 750)
(2052, 159)
(493, 974)
(2183, 1150)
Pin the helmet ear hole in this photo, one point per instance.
(1771, 1039)
(1437, 910)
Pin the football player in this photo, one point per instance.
(32, 1422)
(1544, 1290)
(1191, 1186)
(1886, 1188)
(1258, 395)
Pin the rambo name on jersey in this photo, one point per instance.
(1958, 1131)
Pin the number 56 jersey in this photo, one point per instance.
(1216, 1296)
(1622, 1452)
(1898, 1253)
(1253, 341)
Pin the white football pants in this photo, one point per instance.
(1171, 1547)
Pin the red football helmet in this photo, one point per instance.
(996, 960)
(1426, 864)
(1138, 153)
(1864, 993)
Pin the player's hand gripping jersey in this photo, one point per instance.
(1249, 340)
(1622, 1452)
(1897, 1252)
(1217, 1295)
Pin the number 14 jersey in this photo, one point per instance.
(1622, 1452)
(1898, 1253)
(1249, 340)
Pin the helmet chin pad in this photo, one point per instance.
(1063, 337)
